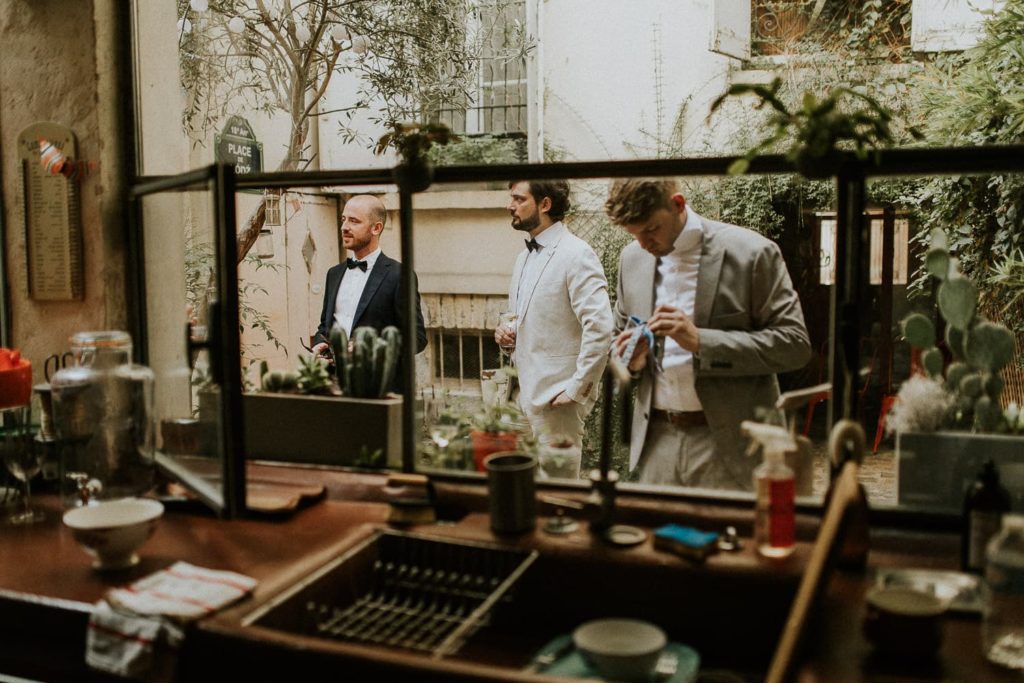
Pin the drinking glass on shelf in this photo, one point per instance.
(508, 320)
(21, 458)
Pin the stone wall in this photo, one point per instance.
(48, 72)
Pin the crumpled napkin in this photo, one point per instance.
(137, 630)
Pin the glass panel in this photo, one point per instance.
(180, 265)
(452, 222)
(946, 405)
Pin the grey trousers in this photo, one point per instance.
(683, 456)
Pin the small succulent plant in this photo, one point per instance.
(278, 381)
(980, 348)
(365, 368)
(313, 376)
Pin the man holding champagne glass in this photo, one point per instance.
(559, 324)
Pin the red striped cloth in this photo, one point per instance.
(137, 629)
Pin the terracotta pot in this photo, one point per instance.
(485, 443)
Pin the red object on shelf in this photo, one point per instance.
(15, 379)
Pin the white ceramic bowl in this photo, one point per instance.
(620, 649)
(112, 531)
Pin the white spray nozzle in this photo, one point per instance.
(773, 438)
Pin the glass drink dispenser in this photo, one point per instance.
(103, 420)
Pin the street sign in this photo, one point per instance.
(237, 145)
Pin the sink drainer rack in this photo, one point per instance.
(413, 592)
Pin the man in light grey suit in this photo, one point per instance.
(564, 321)
(721, 305)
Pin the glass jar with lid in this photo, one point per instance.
(103, 419)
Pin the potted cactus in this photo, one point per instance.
(951, 418)
(331, 418)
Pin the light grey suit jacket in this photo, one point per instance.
(751, 326)
(565, 324)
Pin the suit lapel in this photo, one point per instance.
(546, 254)
(373, 282)
(707, 277)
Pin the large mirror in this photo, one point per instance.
(214, 85)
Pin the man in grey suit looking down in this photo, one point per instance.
(564, 327)
(725, 319)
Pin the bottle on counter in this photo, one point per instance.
(775, 491)
(985, 504)
(1002, 630)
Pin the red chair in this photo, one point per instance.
(889, 399)
(823, 396)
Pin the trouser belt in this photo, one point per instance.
(690, 418)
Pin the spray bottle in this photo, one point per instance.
(775, 488)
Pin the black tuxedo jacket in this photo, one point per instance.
(379, 306)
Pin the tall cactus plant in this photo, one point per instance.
(980, 347)
(366, 367)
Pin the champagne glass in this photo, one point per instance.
(508, 320)
(22, 459)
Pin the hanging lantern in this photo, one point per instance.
(340, 33)
(199, 5)
(360, 44)
(184, 26)
(265, 244)
(302, 33)
(236, 25)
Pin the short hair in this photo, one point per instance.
(378, 214)
(556, 190)
(633, 200)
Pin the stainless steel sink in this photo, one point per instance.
(400, 590)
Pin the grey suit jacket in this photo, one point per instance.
(751, 327)
(565, 325)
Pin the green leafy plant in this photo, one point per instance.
(365, 368)
(980, 348)
(503, 417)
(818, 129)
(413, 141)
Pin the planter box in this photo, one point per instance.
(935, 469)
(322, 430)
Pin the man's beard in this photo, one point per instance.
(526, 224)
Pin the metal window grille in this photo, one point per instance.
(273, 202)
(777, 26)
(498, 103)
(459, 356)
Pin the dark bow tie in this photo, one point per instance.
(532, 244)
(352, 263)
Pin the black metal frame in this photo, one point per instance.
(224, 339)
(852, 233)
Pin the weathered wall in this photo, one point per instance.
(48, 73)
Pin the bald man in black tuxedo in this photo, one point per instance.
(365, 291)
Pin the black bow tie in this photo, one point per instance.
(532, 244)
(352, 263)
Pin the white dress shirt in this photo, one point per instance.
(350, 291)
(530, 273)
(676, 285)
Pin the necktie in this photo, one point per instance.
(352, 263)
(531, 244)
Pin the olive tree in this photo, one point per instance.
(279, 57)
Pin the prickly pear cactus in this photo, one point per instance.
(980, 348)
(366, 366)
